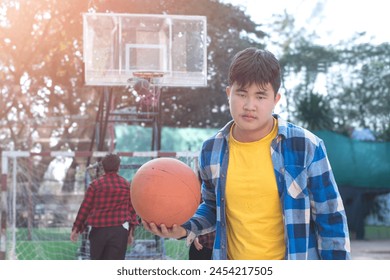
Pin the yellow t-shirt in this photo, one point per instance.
(254, 217)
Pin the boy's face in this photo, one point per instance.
(251, 108)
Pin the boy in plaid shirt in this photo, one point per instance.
(268, 188)
(107, 209)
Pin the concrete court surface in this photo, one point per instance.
(370, 249)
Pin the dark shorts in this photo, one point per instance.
(204, 254)
(108, 243)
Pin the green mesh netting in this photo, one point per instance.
(358, 163)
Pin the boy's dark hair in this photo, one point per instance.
(257, 66)
(111, 163)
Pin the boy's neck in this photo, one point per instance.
(252, 136)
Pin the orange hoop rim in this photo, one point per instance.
(148, 74)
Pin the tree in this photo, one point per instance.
(346, 85)
(43, 95)
(314, 112)
(303, 68)
(41, 70)
(44, 102)
(44, 105)
(363, 88)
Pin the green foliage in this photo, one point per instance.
(41, 69)
(355, 84)
(308, 57)
(314, 112)
(364, 88)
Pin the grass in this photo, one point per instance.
(54, 244)
(176, 249)
(376, 232)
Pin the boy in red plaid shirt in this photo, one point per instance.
(107, 209)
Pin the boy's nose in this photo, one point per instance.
(249, 104)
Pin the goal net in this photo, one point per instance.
(40, 197)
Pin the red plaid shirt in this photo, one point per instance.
(106, 203)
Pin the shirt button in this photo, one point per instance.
(282, 170)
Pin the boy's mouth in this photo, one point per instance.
(248, 116)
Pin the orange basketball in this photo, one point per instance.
(165, 191)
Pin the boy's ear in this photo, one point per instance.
(228, 91)
(277, 98)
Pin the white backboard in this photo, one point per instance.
(118, 45)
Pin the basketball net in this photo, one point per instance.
(145, 85)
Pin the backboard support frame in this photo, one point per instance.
(111, 45)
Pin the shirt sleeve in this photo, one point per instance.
(204, 219)
(85, 209)
(327, 208)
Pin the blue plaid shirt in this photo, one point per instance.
(313, 212)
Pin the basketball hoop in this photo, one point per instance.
(120, 45)
(146, 86)
(148, 74)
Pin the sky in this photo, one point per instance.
(338, 20)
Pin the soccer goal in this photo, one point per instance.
(41, 194)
